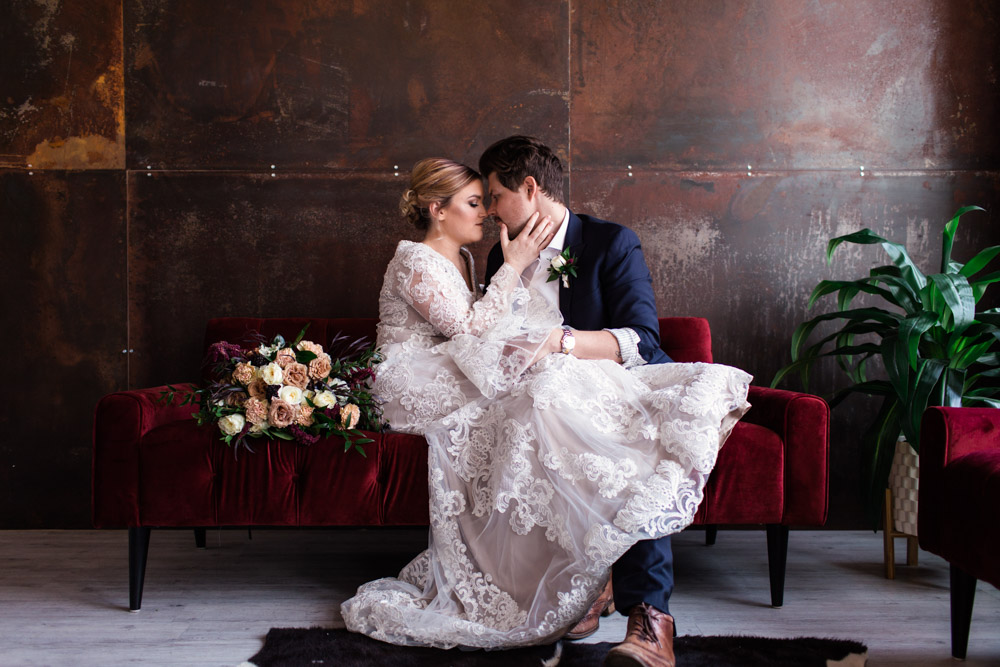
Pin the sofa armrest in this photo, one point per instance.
(947, 434)
(802, 421)
(120, 421)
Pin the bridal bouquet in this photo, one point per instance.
(292, 391)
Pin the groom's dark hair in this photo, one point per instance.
(515, 158)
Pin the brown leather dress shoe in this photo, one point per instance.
(649, 640)
(603, 605)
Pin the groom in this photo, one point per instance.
(609, 312)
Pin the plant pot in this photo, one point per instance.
(904, 481)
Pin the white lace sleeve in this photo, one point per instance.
(441, 301)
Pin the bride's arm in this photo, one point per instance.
(439, 300)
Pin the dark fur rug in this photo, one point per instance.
(290, 647)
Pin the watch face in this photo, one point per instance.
(568, 341)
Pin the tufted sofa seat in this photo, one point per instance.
(153, 467)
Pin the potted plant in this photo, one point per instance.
(934, 346)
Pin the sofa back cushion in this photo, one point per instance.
(685, 339)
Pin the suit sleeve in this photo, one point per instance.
(627, 290)
(493, 263)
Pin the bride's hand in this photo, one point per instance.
(524, 249)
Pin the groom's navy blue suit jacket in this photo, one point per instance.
(613, 288)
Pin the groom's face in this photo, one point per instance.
(511, 207)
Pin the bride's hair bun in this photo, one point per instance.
(411, 210)
(433, 180)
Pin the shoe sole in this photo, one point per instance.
(574, 637)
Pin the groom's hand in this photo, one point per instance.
(524, 249)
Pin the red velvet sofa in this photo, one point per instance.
(153, 467)
(959, 516)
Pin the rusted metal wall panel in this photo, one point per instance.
(62, 266)
(745, 253)
(62, 103)
(327, 84)
(786, 85)
(336, 93)
(204, 245)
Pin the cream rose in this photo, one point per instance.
(232, 424)
(272, 373)
(280, 414)
(290, 394)
(349, 416)
(558, 262)
(296, 375)
(319, 367)
(324, 399)
(310, 346)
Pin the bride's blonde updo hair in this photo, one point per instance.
(433, 180)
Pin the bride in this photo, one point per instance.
(543, 468)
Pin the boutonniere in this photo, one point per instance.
(562, 266)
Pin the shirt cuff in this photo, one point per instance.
(628, 344)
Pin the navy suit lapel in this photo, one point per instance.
(573, 241)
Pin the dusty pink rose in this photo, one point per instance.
(310, 346)
(244, 373)
(280, 414)
(285, 357)
(304, 417)
(296, 375)
(256, 389)
(319, 367)
(349, 415)
(256, 410)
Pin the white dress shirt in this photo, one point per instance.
(537, 277)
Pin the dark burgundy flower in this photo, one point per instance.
(301, 436)
(271, 390)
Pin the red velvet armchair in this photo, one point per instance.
(959, 517)
(154, 467)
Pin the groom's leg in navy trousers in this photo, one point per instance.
(644, 574)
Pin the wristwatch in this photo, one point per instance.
(567, 342)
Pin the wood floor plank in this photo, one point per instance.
(64, 594)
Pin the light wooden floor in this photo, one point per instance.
(64, 594)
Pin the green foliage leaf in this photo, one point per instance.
(949, 235)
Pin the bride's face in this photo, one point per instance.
(462, 219)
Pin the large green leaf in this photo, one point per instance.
(896, 252)
(979, 286)
(878, 445)
(956, 292)
(869, 388)
(847, 289)
(923, 387)
(979, 261)
(949, 235)
(910, 331)
(906, 294)
(803, 331)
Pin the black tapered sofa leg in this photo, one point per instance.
(711, 532)
(963, 594)
(200, 538)
(138, 549)
(777, 555)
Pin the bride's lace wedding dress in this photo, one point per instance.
(540, 476)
